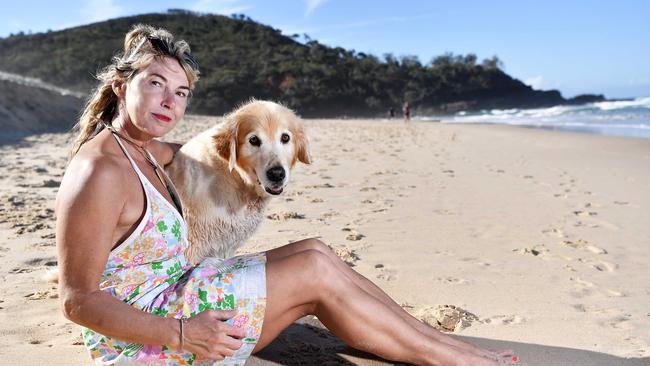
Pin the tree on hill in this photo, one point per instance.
(240, 58)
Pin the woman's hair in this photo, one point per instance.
(142, 45)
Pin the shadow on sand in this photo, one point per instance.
(307, 343)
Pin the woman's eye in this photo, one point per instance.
(156, 83)
(285, 138)
(255, 141)
(181, 94)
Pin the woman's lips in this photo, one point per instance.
(161, 117)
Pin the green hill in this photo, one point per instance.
(241, 59)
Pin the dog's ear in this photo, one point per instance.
(302, 146)
(226, 141)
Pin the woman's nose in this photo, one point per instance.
(168, 100)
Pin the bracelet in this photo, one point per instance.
(181, 321)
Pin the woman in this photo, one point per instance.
(120, 239)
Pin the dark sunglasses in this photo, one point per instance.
(163, 47)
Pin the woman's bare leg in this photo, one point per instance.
(308, 282)
(373, 290)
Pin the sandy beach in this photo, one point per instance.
(528, 239)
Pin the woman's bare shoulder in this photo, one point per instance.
(164, 151)
(94, 172)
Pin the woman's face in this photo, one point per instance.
(157, 96)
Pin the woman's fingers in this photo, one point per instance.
(229, 342)
(211, 337)
(234, 332)
(221, 314)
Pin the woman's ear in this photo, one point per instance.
(118, 88)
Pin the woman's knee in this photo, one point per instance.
(319, 267)
(315, 244)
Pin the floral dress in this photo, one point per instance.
(149, 271)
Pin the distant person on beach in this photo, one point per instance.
(121, 235)
(406, 110)
(391, 112)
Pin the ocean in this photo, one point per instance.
(630, 118)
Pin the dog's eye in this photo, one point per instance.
(285, 138)
(255, 141)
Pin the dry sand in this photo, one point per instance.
(533, 240)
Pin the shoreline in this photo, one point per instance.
(582, 129)
(541, 235)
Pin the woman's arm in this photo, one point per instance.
(90, 201)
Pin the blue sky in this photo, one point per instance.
(573, 46)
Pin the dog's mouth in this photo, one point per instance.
(274, 190)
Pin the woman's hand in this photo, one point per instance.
(208, 335)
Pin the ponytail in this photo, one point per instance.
(101, 107)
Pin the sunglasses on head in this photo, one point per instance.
(163, 47)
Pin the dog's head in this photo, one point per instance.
(262, 141)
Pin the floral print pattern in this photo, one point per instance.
(149, 271)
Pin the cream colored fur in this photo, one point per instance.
(221, 176)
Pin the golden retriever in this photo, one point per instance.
(226, 175)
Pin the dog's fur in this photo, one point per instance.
(223, 179)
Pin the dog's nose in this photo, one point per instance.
(275, 174)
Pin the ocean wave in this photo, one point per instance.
(643, 102)
(632, 108)
(623, 118)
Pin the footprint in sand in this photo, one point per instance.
(587, 308)
(582, 213)
(444, 212)
(452, 280)
(581, 287)
(41, 295)
(601, 266)
(329, 214)
(42, 261)
(354, 236)
(477, 261)
(361, 221)
(385, 274)
(446, 253)
(609, 317)
(621, 322)
(504, 320)
(584, 288)
(555, 232)
(19, 270)
(583, 245)
(367, 189)
(318, 186)
(613, 293)
(282, 216)
(537, 250)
